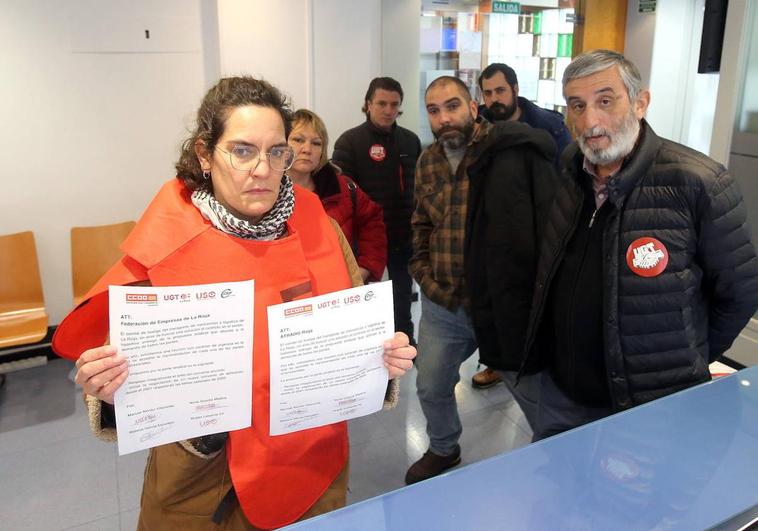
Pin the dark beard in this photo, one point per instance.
(499, 112)
(452, 137)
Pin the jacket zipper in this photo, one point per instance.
(592, 219)
(573, 299)
(606, 310)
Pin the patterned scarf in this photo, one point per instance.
(270, 227)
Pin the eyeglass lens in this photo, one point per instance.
(245, 158)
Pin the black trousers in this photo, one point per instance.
(397, 269)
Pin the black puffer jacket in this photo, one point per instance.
(511, 189)
(383, 163)
(659, 332)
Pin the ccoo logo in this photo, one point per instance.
(141, 297)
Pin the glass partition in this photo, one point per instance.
(465, 37)
(747, 121)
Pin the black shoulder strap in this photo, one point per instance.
(354, 200)
(353, 194)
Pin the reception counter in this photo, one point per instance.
(688, 461)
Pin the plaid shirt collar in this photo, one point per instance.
(481, 130)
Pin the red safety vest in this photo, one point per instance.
(276, 478)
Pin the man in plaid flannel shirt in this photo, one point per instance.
(438, 224)
(447, 336)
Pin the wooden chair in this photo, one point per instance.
(93, 251)
(23, 318)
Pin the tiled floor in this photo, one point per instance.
(56, 476)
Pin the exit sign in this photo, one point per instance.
(512, 8)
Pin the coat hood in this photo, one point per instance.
(513, 135)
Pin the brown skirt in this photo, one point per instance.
(183, 491)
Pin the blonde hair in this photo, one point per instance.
(303, 118)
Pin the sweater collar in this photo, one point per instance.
(379, 131)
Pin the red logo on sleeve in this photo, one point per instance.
(377, 152)
(647, 257)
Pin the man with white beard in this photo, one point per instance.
(647, 273)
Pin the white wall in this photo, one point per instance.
(401, 37)
(668, 73)
(324, 53)
(93, 113)
(267, 39)
(639, 39)
(665, 46)
(347, 53)
(733, 58)
(89, 137)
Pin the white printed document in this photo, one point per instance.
(327, 357)
(190, 361)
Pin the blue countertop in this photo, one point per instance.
(687, 461)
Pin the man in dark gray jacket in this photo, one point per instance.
(647, 273)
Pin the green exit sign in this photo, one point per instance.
(512, 8)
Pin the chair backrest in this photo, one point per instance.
(23, 318)
(93, 251)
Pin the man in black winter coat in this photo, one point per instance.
(647, 272)
(511, 189)
(499, 85)
(381, 157)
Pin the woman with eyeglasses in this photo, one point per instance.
(231, 214)
(359, 217)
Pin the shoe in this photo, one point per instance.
(485, 379)
(431, 465)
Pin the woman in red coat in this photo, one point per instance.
(359, 217)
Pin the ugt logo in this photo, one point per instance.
(647, 257)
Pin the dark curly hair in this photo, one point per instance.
(228, 94)
(491, 71)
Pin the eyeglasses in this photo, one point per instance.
(246, 158)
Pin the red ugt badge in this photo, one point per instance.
(377, 152)
(647, 257)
